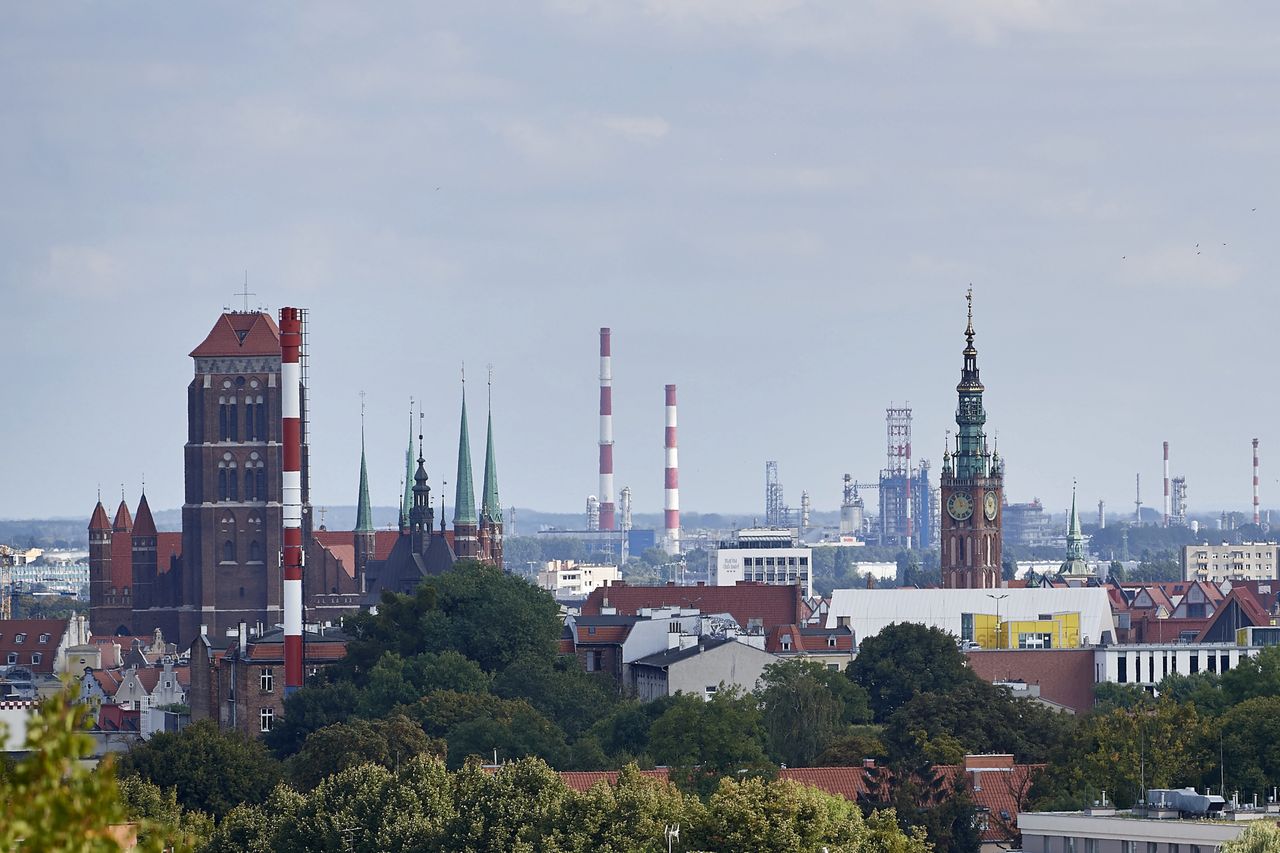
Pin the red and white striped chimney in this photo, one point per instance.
(291, 499)
(607, 516)
(1166, 484)
(671, 504)
(1257, 518)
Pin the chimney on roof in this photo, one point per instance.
(243, 637)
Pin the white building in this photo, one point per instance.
(1255, 561)
(765, 555)
(567, 579)
(869, 611)
(1104, 830)
(1147, 664)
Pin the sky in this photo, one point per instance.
(776, 205)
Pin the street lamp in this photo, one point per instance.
(997, 599)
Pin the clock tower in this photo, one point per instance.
(972, 488)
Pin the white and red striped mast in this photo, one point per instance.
(1166, 484)
(1257, 517)
(671, 502)
(291, 435)
(607, 516)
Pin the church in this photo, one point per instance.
(224, 568)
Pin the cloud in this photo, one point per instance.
(84, 272)
(639, 128)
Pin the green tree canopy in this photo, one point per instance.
(703, 740)
(212, 770)
(801, 714)
(905, 659)
(389, 742)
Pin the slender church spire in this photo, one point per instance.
(364, 512)
(1075, 564)
(464, 500)
(491, 508)
(407, 502)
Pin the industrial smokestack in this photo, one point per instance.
(291, 499)
(1166, 484)
(672, 503)
(1257, 518)
(1102, 515)
(607, 517)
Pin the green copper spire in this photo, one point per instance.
(364, 512)
(970, 458)
(464, 499)
(1075, 564)
(491, 509)
(407, 502)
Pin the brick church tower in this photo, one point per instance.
(972, 488)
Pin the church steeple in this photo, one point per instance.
(490, 533)
(971, 459)
(465, 540)
(407, 502)
(364, 512)
(1075, 564)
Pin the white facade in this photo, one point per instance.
(1255, 561)
(764, 555)
(1147, 664)
(1122, 832)
(567, 579)
(869, 611)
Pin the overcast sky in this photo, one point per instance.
(776, 206)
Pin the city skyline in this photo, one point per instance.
(778, 211)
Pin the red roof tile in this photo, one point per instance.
(383, 541)
(241, 334)
(123, 522)
(31, 630)
(583, 780)
(99, 520)
(773, 604)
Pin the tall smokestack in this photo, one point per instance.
(607, 517)
(672, 503)
(1257, 518)
(291, 499)
(1166, 484)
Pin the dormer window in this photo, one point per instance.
(831, 642)
(20, 639)
(44, 638)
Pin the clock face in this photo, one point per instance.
(959, 506)
(990, 505)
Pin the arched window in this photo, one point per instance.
(222, 419)
(262, 482)
(222, 483)
(262, 420)
(233, 483)
(233, 425)
(249, 481)
(228, 551)
(255, 552)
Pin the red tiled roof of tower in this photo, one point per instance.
(144, 524)
(99, 520)
(124, 521)
(168, 546)
(236, 333)
(772, 604)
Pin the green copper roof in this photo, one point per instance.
(1075, 539)
(364, 513)
(464, 499)
(407, 502)
(492, 506)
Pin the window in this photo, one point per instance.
(255, 552)
(709, 691)
(222, 483)
(249, 482)
(266, 717)
(831, 642)
(833, 667)
(44, 638)
(266, 679)
(1153, 847)
(1128, 847)
(20, 639)
(1068, 844)
(228, 551)
(13, 658)
(233, 431)
(1091, 845)
(36, 657)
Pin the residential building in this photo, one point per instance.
(770, 555)
(566, 579)
(1148, 664)
(712, 664)
(756, 607)
(242, 686)
(832, 647)
(1105, 830)
(41, 645)
(1216, 563)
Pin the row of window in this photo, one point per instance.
(12, 658)
(21, 637)
(229, 551)
(255, 419)
(1090, 845)
(1214, 663)
(747, 562)
(255, 484)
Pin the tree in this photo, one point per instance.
(570, 697)
(213, 771)
(160, 818)
(704, 740)
(51, 802)
(313, 707)
(800, 714)
(1202, 689)
(389, 743)
(1109, 696)
(1248, 747)
(1260, 836)
(905, 659)
(1254, 676)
